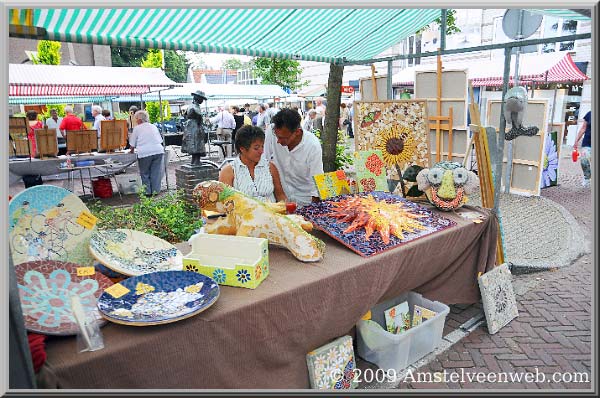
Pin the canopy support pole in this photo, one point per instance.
(501, 129)
(162, 134)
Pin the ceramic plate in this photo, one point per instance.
(43, 225)
(159, 297)
(45, 288)
(133, 253)
(317, 213)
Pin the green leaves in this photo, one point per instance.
(48, 53)
(283, 72)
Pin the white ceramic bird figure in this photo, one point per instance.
(515, 106)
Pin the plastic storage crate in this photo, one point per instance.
(128, 183)
(398, 351)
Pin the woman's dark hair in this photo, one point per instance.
(31, 115)
(246, 135)
(105, 112)
(287, 118)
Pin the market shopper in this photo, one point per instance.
(250, 172)
(296, 154)
(70, 122)
(54, 122)
(586, 148)
(309, 122)
(147, 142)
(98, 118)
(34, 124)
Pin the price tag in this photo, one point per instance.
(117, 290)
(87, 219)
(85, 271)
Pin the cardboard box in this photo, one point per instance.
(230, 260)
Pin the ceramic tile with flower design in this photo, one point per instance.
(498, 297)
(332, 366)
(332, 184)
(370, 171)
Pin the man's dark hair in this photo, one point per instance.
(288, 118)
(246, 135)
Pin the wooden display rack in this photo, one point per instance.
(46, 142)
(113, 134)
(82, 141)
(17, 130)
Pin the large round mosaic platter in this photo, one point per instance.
(45, 288)
(133, 253)
(159, 297)
(46, 223)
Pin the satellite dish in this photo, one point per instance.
(529, 23)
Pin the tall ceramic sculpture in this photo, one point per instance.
(515, 106)
(447, 184)
(246, 216)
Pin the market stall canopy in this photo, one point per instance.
(60, 99)
(323, 35)
(67, 80)
(212, 91)
(576, 14)
(556, 67)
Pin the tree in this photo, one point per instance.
(48, 53)
(176, 66)
(232, 64)
(283, 72)
(127, 56)
(154, 59)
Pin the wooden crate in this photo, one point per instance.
(82, 141)
(113, 134)
(45, 142)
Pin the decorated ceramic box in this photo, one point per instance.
(212, 255)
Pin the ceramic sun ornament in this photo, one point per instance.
(447, 184)
(246, 216)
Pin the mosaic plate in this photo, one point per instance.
(45, 288)
(43, 225)
(133, 253)
(316, 213)
(160, 297)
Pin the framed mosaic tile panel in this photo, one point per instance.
(332, 184)
(498, 297)
(370, 171)
(331, 367)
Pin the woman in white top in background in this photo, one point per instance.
(250, 172)
(146, 139)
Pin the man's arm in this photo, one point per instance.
(580, 135)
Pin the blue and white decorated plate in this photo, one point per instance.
(159, 297)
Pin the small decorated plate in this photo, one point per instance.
(133, 253)
(157, 298)
(50, 223)
(45, 288)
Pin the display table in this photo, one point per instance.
(259, 338)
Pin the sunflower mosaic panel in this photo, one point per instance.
(369, 223)
(399, 129)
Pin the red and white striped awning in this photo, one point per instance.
(66, 80)
(540, 68)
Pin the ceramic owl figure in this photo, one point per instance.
(447, 184)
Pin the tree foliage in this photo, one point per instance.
(48, 53)
(232, 64)
(154, 59)
(283, 72)
(127, 56)
(450, 23)
(176, 66)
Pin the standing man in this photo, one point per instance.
(296, 154)
(54, 122)
(70, 122)
(309, 122)
(586, 148)
(98, 118)
(263, 119)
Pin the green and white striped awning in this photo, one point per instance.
(324, 35)
(577, 15)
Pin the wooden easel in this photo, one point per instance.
(374, 82)
(46, 142)
(484, 166)
(18, 131)
(439, 119)
(113, 134)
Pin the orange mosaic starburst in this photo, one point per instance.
(373, 215)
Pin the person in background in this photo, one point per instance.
(34, 124)
(250, 172)
(130, 123)
(343, 117)
(106, 114)
(70, 122)
(225, 124)
(238, 116)
(319, 122)
(264, 119)
(586, 148)
(350, 118)
(309, 122)
(296, 154)
(247, 120)
(54, 122)
(98, 118)
(147, 142)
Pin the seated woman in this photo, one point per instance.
(250, 172)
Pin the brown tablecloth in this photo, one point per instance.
(259, 338)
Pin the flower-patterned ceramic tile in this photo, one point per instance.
(498, 297)
(158, 297)
(398, 128)
(370, 171)
(371, 222)
(45, 289)
(49, 223)
(332, 365)
(132, 253)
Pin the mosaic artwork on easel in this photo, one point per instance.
(332, 184)
(370, 171)
(398, 128)
(331, 367)
(158, 297)
(131, 253)
(50, 223)
(498, 298)
(45, 290)
(369, 223)
(550, 161)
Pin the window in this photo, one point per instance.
(552, 27)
